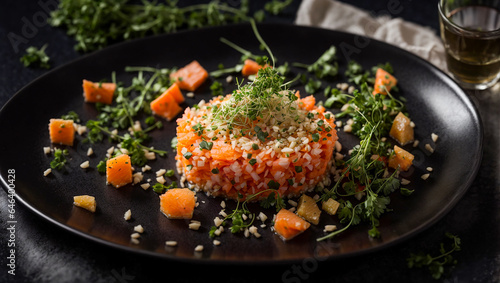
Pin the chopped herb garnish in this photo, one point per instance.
(198, 128)
(273, 185)
(217, 88)
(315, 137)
(173, 143)
(101, 166)
(160, 188)
(72, 115)
(35, 57)
(59, 159)
(206, 145)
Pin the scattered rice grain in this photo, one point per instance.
(434, 137)
(347, 128)
(161, 180)
(194, 225)
(262, 216)
(218, 221)
(429, 148)
(139, 228)
(85, 164)
(146, 168)
(404, 182)
(171, 243)
(128, 215)
(330, 228)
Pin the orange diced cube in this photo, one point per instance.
(191, 76)
(401, 129)
(166, 105)
(85, 201)
(178, 203)
(98, 92)
(119, 171)
(288, 224)
(62, 131)
(401, 158)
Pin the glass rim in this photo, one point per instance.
(481, 34)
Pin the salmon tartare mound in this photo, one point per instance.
(255, 139)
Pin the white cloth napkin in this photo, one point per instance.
(331, 14)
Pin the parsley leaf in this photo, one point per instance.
(59, 159)
(436, 264)
(273, 199)
(324, 66)
(35, 57)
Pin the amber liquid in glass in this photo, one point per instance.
(471, 59)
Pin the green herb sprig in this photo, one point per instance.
(132, 144)
(238, 224)
(59, 159)
(35, 57)
(437, 264)
(96, 24)
(160, 188)
(265, 98)
(363, 175)
(325, 66)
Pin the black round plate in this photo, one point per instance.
(436, 105)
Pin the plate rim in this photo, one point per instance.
(457, 90)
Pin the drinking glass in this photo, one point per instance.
(470, 30)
